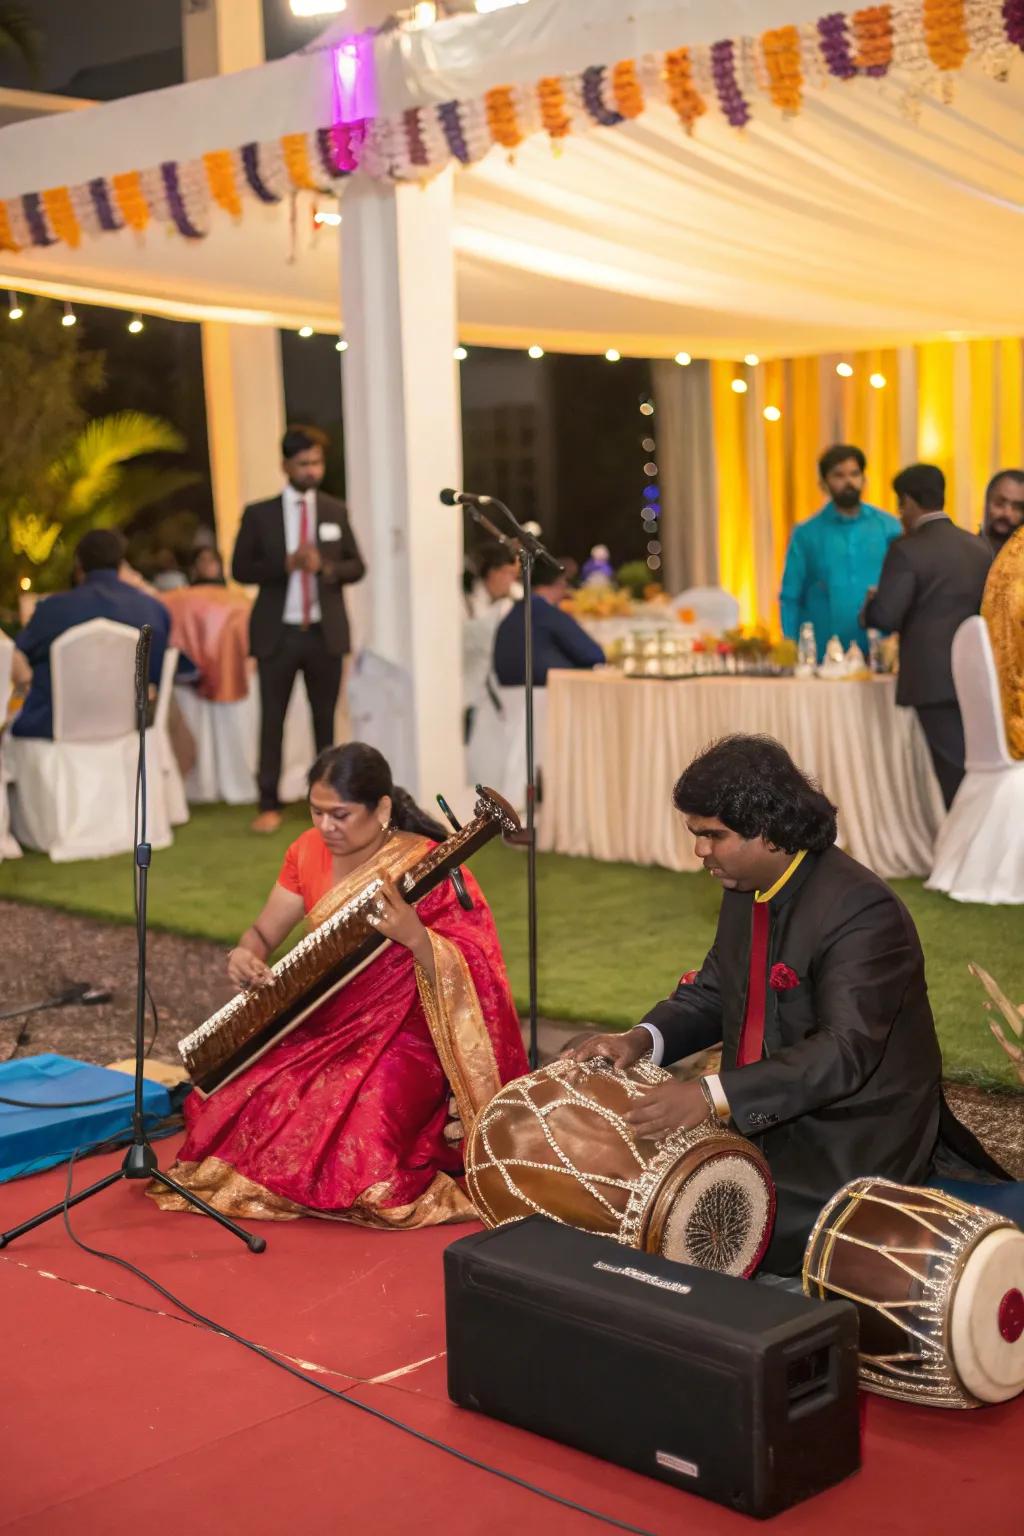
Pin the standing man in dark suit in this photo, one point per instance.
(815, 988)
(299, 549)
(932, 579)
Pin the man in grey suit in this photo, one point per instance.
(299, 549)
(932, 580)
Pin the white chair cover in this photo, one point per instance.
(979, 853)
(174, 784)
(714, 609)
(8, 844)
(227, 739)
(496, 755)
(381, 713)
(74, 796)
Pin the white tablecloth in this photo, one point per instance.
(616, 745)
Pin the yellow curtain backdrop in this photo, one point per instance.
(736, 569)
(1011, 404)
(935, 411)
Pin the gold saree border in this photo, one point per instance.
(458, 1030)
(400, 853)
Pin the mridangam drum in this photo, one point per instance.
(939, 1286)
(556, 1143)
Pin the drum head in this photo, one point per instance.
(721, 1216)
(986, 1326)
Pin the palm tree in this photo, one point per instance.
(104, 479)
(18, 34)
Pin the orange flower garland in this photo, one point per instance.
(296, 159)
(62, 216)
(782, 56)
(7, 240)
(945, 33)
(131, 199)
(220, 177)
(626, 89)
(501, 117)
(872, 34)
(684, 98)
(554, 113)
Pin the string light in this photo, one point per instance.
(878, 381)
(646, 408)
(772, 413)
(14, 309)
(654, 547)
(844, 370)
(613, 356)
(647, 444)
(684, 359)
(460, 354)
(341, 345)
(739, 386)
(135, 325)
(305, 332)
(650, 469)
(535, 352)
(26, 583)
(68, 317)
(424, 14)
(333, 219)
(751, 359)
(654, 562)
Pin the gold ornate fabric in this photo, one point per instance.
(1002, 608)
(458, 1030)
(401, 852)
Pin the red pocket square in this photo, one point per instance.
(688, 979)
(782, 979)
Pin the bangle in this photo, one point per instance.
(709, 1098)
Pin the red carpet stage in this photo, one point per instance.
(117, 1415)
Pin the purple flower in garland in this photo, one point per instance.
(448, 116)
(592, 82)
(727, 86)
(1013, 21)
(39, 229)
(835, 46)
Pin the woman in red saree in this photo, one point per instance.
(351, 1114)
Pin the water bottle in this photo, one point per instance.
(807, 650)
(875, 662)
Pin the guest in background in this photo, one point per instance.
(207, 568)
(99, 594)
(1002, 608)
(1004, 508)
(931, 581)
(836, 555)
(489, 600)
(299, 549)
(169, 574)
(558, 641)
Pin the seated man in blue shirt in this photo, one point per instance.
(99, 594)
(836, 556)
(558, 641)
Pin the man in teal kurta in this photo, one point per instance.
(836, 556)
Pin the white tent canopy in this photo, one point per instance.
(848, 225)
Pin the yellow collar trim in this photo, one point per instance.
(780, 882)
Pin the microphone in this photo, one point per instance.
(450, 498)
(142, 669)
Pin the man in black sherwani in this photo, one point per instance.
(815, 989)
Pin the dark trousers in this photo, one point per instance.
(300, 650)
(944, 733)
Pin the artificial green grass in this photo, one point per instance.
(613, 937)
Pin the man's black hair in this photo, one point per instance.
(753, 786)
(838, 454)
(923, 483)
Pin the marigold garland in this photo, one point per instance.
(554, 115)
(295, 148)
(131, 200)
(945, 33)
(1013, 21)
(727, 86)
(220, 178)
(782, 56)
(61, 214)
(501, 117)
(7, 240)
(626, 89)
(872, 36)
(835, 46)
(414, 136)
(683, 97)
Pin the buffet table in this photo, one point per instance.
(616, 745)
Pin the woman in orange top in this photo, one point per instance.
(350, 1115)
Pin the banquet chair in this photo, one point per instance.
(227, 737)
(979, 853)
(74, 796)
(496, 755)
(8, 844)
(174, 784)
(714, 608)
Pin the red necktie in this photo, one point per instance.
(752, 1033)
(307, 580)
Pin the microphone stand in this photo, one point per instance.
(140, 1160)
(529, 549)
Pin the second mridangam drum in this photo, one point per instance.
(939, 1285)
(556, 1143)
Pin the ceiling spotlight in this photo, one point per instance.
(844, 370)
(424, 14)
(613, 356)
(460, 354)
(14, 309)
(333, 219)
(684, 359)
(305, 331)
(739, 386)
(135, 325)
(878, 381)
(341, 345)
(751, 359)
(68, 317)
(535, 352)
(772, 413)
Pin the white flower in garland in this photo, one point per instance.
(273, 172)
(153, 190)
(195, 194)
(651, 74)
(702, 72)
(990, 47)
(434, 141)
(475, 129)
(85, 209)
(814, 65)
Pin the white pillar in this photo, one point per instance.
(402, 445)
(244, 419)
(220, 36)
